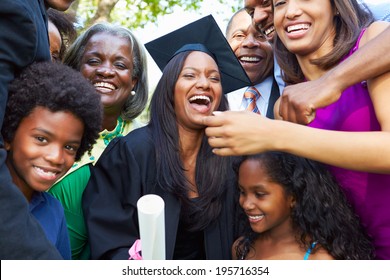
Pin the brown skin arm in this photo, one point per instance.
(299, 102)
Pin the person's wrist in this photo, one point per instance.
(335, 81)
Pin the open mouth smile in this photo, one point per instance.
(249, 59)
(104, 87)
(200, 103)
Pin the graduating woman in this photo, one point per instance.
(170, 157)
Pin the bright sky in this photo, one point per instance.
(180, 18)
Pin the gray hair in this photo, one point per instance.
(134, 104)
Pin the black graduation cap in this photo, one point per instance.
(206, 32)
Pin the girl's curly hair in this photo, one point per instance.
(321, 212)
(56, 87)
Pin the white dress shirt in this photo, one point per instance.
(236, 102)
(278, 75)
(379, 8)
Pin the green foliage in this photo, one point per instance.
(134, 13)
(138, 13)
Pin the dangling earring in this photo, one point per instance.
(292, 205)
(7, 146)
(132, 92)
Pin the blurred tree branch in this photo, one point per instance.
(133, 13)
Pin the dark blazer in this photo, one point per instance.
(275, 94)
(23, 40)
(125, 172)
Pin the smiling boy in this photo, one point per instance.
(53, 116)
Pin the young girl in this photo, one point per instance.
(53, 116)
(295, 210)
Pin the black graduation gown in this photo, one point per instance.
(125, 172)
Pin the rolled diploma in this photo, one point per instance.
(152, 226)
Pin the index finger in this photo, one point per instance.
(215, 120)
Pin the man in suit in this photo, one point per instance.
(23, 40)
(256, 57)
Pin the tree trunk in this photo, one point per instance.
(103, 11)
